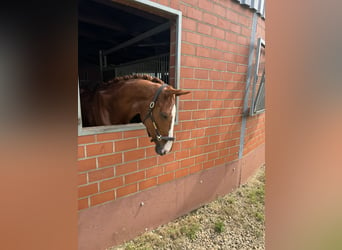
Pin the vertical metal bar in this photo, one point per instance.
(101, 65)
(249, 72)
(105, 61)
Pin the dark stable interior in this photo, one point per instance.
(103, 25)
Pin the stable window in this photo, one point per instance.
(117, 38)
(258, 97)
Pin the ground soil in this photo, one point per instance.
(234, 221)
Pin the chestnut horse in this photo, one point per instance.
(134, 98)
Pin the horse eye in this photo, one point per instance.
(164, 115)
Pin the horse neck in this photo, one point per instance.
(132, 98)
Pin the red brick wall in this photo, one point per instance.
(215, 46)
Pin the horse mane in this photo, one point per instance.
(122, 79)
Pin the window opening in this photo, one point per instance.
(118, 38)
(258, 97)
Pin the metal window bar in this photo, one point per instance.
(260, 97)
(156, 66)
(253, 110)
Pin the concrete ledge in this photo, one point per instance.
(113, 223)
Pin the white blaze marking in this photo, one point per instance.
(168, 144)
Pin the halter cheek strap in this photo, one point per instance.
(159, 137)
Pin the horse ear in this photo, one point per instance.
(177, 92)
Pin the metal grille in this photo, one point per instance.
(156, 66)
(258, 5)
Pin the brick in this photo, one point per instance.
(134, 155)
(182, 116)
(154, 172)
(150, 151)
(200, 159)
(101, 198)
(190, 84)
(134, 177)
(170, 157)
(204, 63)
(144, 142)
(213, 155)
(82, 204)
(187, 162)
(197, 132)
(218, 33)
(216, 54)
(196, 151)
(80, 152)
(202, 51)
(82, 179)
(187, 72)
(206, 84)
(165, 178)
(215, 75)
(147, 183)
(147, 163)
(232, 16)
(219, 85)
(218, 10)
(194, 13)
(208, 164)
(109, 136)
(193, 37)
(235, 28)
(189, 49)
(195, 169)
(171, 166)
(125, 144)
(100, 174)
(133, 133)
(87, 164)
(202, 141)
(220, 161)
(182, 172)
(110, 184)
(208, 41)
(209, 18)
(86, 139)
(109, 160)
(98, 149)
(188, 144)
(126, 190)
(205, 4)
(204, 28)
(189, 105)
(189, 24)
(209, 148)
(200, 95)
(126, 168)
(87, 190)
(190, 61)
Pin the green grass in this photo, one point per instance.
(219, 226)
(190, 230)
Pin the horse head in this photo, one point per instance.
(160, 117)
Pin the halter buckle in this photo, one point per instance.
(152, 105)
(159, 137)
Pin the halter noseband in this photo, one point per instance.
(150, 115)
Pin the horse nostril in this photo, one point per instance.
(159, 150)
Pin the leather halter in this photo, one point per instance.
(159, 137)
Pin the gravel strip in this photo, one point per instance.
(235, 221)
